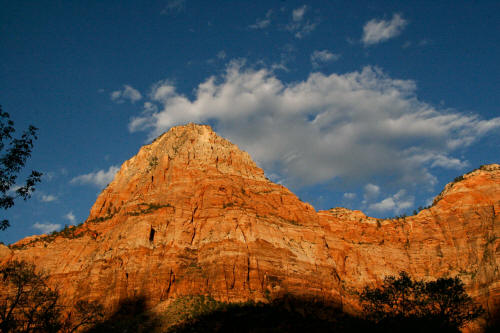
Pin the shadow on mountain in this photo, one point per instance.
(286, 314)
(131, 316)
(493, 325)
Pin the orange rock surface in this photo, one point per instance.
(193, 214)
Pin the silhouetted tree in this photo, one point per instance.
(27, 304)
(13, 155)
(85, 314)
(403, 304)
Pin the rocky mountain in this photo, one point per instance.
(193, 214)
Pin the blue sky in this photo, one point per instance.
(371, 105)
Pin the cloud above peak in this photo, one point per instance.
(263, 22)
(299, 25)
(46, 227)
(48, 198)
(396, 203)
(98, 178)
(70, 217)
(321, 57)
(298, 13)
(377, 31)
(352, 126)
(127, 93)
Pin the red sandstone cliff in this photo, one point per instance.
(193, 214)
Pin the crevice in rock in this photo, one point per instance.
(152, 234)
(194, 211)
(171, 281)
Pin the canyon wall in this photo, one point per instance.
(193, 214)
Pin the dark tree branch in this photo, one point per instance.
(14, 153)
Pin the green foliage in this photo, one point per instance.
(420, 208)
(292, 221)
(403, 304)
(153, 163)
(13, 156)
(150, 207)
(189, 308)
(110, 212)
(101, 219)
(69, 231)
(415, 212)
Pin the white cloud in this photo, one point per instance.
(299, 25)
(128, 93)
(70, 217)
(48, 176)
(352, 126)
(173, 6)
(48, 198)
(377, 31)
(397, 203)
(371, 192)
(221, 55)
(262, 23)
(349, 196)
(150, 107)
(324, 56)
(298, 13)
(46, 227)
(438, 160)
(384, 205)
(99, 178)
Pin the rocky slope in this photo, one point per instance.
(193, 214)
(457, 236)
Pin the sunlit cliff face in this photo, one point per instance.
(193, 214)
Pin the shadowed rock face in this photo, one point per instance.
(193, 214)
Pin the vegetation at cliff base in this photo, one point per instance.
(403, 304)
(400, 304)
(28, 304)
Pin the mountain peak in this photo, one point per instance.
(471, 181)
(199, 145)
(185, 154)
